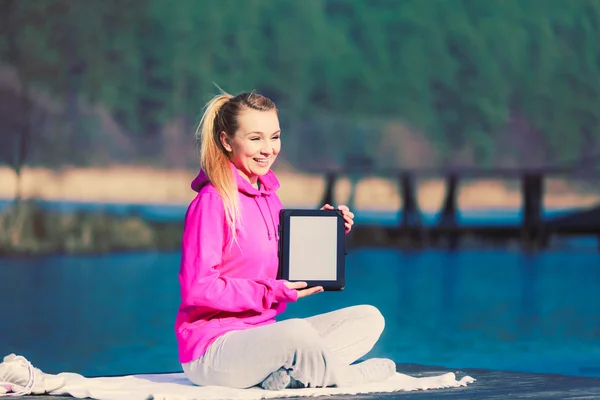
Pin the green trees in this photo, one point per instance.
(457, 72)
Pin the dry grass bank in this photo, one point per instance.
(147, 185)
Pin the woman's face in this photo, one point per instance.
(255, 145)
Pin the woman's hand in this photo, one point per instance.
(348, 215)
(299, 287)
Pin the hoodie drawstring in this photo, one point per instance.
(273, 221)
(275, 230)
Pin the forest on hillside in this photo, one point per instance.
(408, 82)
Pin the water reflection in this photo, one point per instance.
(528, 318)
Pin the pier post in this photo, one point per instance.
(411, 216)
(448, 217)
(411, 224)
(329, 189)
(533, 190)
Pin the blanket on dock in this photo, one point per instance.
(175, 386)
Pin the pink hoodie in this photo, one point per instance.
(226, 286)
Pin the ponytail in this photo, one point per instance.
(214, 161)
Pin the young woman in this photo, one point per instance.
(225, 326)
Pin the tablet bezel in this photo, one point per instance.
(284, 246)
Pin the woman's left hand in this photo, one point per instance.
(348, 215)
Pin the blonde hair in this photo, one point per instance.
(221, 115)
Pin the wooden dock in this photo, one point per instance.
(489, 385)
(533, 232)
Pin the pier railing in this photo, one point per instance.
(533, 231)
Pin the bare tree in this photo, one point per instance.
(19, 132)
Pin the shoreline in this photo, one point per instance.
(150, 186)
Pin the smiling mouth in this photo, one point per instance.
(262, 161)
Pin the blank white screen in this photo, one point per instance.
(313, 248)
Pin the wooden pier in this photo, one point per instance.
(534, 231)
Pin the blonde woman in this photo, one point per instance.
(226, 328)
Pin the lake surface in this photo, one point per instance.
(482, 309)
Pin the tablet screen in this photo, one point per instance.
(313, 248)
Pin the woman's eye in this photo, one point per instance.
(275, 137)
(255, 138)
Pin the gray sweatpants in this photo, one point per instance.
(315, 350)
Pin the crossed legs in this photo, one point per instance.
(310, 352)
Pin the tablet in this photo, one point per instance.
(312, 247)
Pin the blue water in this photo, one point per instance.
(493, 309)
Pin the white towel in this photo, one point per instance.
(176, 386)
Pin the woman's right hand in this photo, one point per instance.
(300, 288)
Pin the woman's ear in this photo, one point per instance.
(225, 142)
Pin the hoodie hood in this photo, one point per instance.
(268, 183)
(264, 199)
